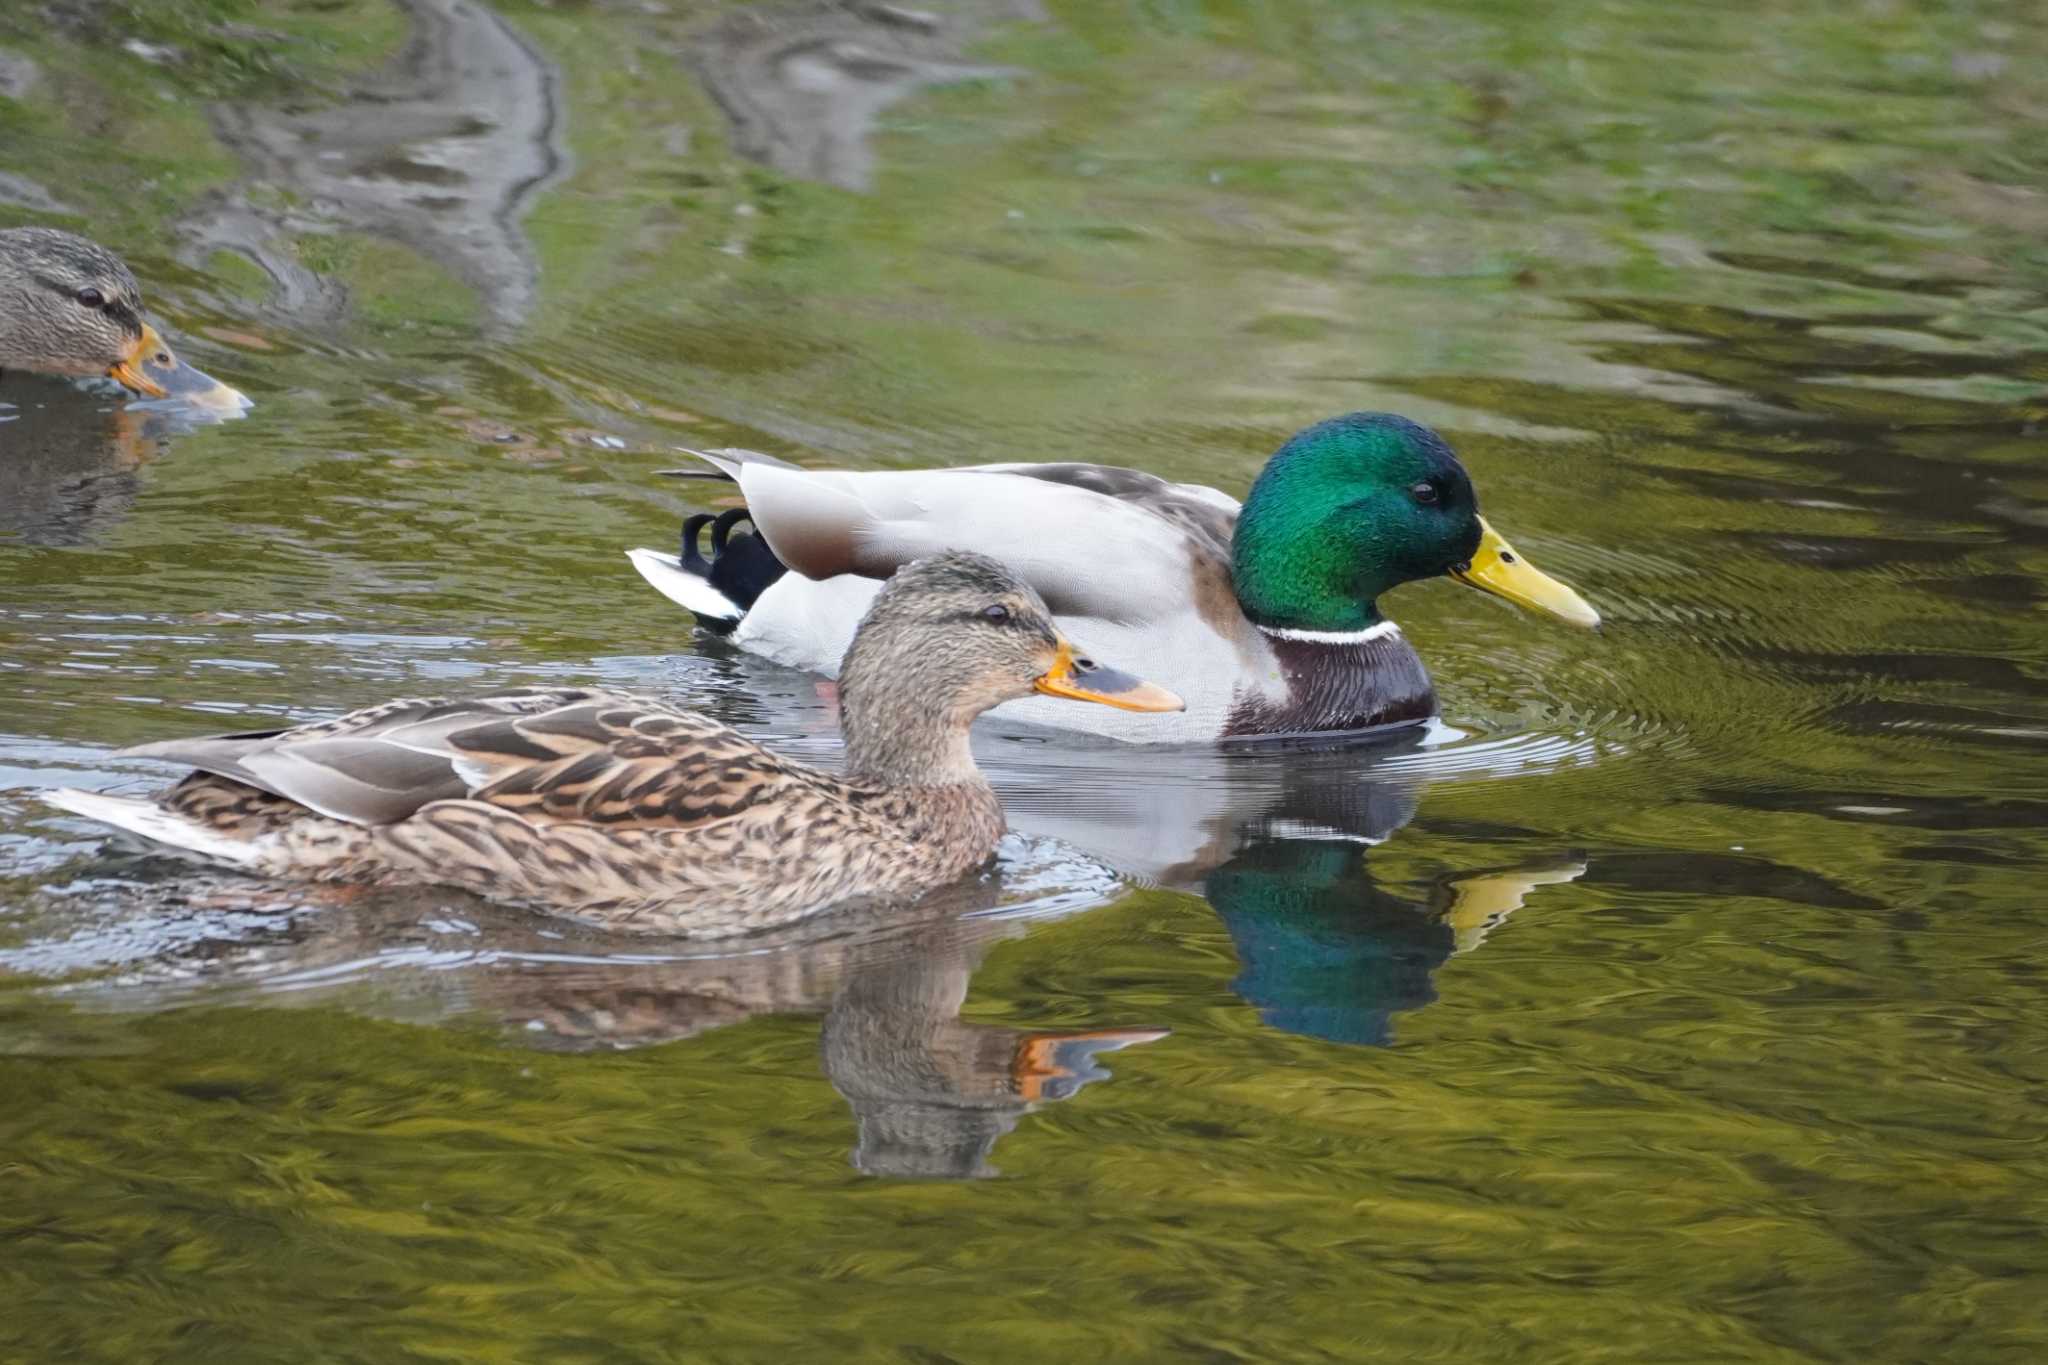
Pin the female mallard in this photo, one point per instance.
(1266, 617)
(69, 307)
(628, 812)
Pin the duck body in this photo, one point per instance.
(1239, 681)
(628, 812)
(1261, 614)
(610, 806)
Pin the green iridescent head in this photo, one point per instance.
(1359, 504)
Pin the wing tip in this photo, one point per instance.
(726, 463)
(140, 816)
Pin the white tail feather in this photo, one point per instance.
(140, 815)
(678, 584)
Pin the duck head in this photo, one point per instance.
(1360, 504)
(71, 308)
(947, 638)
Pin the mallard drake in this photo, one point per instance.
(70, 307)
(628, 812)
(1266, 617)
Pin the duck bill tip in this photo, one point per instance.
(158, 372)
(1079, 679)
(1496, 567)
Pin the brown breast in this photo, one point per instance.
(1353, 685)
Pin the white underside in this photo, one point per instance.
(141, 816)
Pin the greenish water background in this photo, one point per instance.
(1736, 314)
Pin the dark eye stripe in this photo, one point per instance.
(116, 309)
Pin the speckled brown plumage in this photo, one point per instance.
(44, 329)
(613, 807)
(623, 809)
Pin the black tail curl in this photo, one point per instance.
(742, 567)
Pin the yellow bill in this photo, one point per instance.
(1495, 567)
(1085, 680)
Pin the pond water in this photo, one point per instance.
(1679, 998)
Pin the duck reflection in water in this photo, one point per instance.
(70, 463)
(1278, 839)
(931, 1094)
(1328, 954)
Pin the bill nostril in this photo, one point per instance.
(1084, 665)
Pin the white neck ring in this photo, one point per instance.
(1334, 637)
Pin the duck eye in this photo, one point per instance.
(1424, 494)
(91, 298)
(998, 615)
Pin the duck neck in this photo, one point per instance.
(1297, 566)
(892, 745)
(1288, 578)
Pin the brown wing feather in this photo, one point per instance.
(229, 807)
(379, 765)
(620, 759)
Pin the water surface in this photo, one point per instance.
(1679, 999)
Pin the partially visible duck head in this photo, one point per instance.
(1360, 504)
(947, 638)
(69, 307)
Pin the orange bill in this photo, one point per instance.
(1052, 1066)
(149, 367)
(131, 370)
(1082, 679)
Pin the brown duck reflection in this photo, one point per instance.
(931, 1094)
(70, 450)
(68, 460)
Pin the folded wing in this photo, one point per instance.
(1095, 540)
(566, 754)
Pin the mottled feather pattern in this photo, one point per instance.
(616, 808)
(625, 759)
(231, 807)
